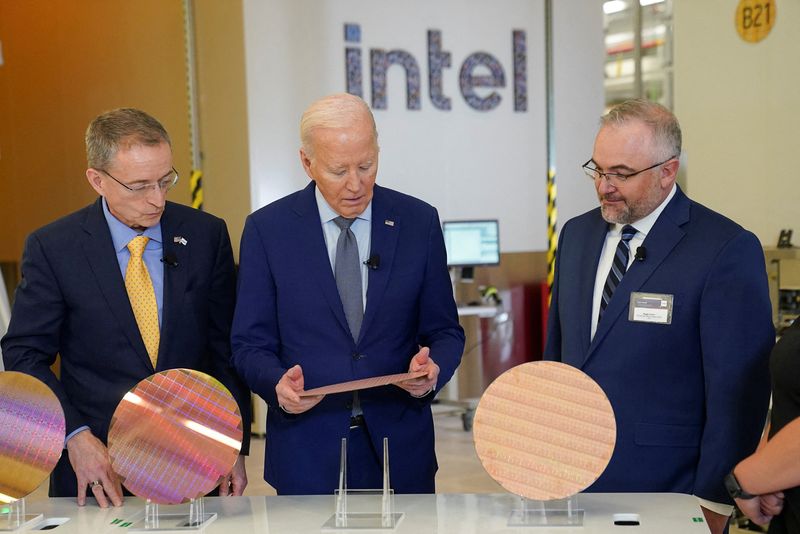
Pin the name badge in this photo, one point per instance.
(650, 308)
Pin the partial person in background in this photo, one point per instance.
(665, 304)
(345, 280)
(5, 314)
(766, 484)
(125, 287)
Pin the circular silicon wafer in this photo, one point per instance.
(174, 436)
(31, 434)
(544, 430)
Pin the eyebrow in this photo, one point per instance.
(618, 167)
(148, 181)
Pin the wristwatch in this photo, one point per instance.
(735, 489)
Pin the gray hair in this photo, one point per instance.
(121, 129)
(339, 110)
(661, 121)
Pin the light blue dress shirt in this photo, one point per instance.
(153, 252)
(121, 235)
(361, 229)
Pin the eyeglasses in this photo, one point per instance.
(616, 178)
(164, 184)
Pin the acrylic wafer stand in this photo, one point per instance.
(175, 518)
(560, 513)
(14, 518)
(368, 509)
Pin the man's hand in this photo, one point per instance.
(235, 481)
(287, 389)
(92, 466)
(763, 508)
(419, 387)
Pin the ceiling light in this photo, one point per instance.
(614, 6)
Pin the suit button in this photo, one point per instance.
(349, 405)
(357, 356)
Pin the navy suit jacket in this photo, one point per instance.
(72, 300)
(289, 312)
(690, 398)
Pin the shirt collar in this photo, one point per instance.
(645, 224)
(121, 234)
(327, 213)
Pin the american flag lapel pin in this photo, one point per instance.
(179, 239)
(388, 222)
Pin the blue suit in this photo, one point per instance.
(690, 398)
(72, 300)
(289, 312)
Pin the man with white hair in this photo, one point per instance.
(340, 281)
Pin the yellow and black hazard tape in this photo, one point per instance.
(552, 238)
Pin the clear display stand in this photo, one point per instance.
(369, 509)
(15, 518)
(561, 512)
(176, 518)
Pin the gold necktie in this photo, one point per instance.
(143, 297)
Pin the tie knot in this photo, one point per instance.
(628, 232)
(137, 244)
(344, 223)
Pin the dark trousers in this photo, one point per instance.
(364, 463)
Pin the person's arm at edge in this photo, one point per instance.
(33, 338)
(222, 294)
(552, 348)
(774, 466)
(254, 335)
(438, 326)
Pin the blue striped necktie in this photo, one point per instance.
(618, 267)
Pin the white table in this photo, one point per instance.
(660, 513)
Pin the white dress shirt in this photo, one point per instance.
(614, 234)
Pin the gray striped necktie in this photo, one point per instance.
(618, 267)
(347, 271)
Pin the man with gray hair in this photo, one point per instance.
(665, 304)
(340, 281)
(125, 287)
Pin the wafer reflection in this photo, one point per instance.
(174, 436)
(31, 434)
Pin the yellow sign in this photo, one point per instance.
(755, 19)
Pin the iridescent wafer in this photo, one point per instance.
(31, 434)
(175, 436)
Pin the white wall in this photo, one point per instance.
(579, 58)
(468, 163)
(739, 107)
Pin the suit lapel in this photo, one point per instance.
(383, 242)
(175, 279)
(99, 250)
(586, 277)
(662, 238)
(317, 265)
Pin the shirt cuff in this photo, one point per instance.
(76, 431)
(423, 395)
(717, 507)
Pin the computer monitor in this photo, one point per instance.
(472, 243)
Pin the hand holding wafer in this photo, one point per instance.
(288, 390)
(421, 362)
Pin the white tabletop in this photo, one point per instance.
(659, 513)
